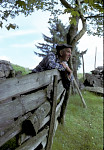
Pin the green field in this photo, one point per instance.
(83, 129)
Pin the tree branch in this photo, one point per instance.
(66, 4)
(95, 16)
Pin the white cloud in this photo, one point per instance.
(5, 58)
(36, 61)
(27, 45)
(16, 33)
(91, 43)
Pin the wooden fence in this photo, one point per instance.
(30, 108)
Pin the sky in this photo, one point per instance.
(18, 46)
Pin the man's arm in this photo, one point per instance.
(52, 64)
(69, 71)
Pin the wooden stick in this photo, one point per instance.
(82, 99)
(53, 113)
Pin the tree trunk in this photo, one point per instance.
(73, 35)
(70, 36)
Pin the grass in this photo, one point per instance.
(20, 68)
(83, 128)
(80, 77)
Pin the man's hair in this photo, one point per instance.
(58, 52)
(61, 47)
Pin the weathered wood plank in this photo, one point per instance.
(44, 121)
(60, 89)
(44, 142)
(33, 142)
(95, 89)
(52, 120)
(13, 130)
(21, 105)
(23, 137)
(37, 120)
(16, 86)
(39, 115)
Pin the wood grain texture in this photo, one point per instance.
(21, 105)
(16, 86)
(33, 142)
(13, 130)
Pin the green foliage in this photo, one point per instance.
(11, 144)
(14, 8)
(73, 20)
(22, 69)
(75, 13)
(92, 11)
(58, 36)
(83, 128)
(80, 75)
(58, 33)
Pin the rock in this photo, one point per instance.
(95, 79)
(6, 70)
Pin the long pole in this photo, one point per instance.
(83, 67)
(95, 57)
(80, 94)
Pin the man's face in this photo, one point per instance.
(65, 54)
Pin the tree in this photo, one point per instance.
(83, 10)
(58, 33)
(90, 12)
(13, 8)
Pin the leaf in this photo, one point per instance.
(86, 1)
(13, 26)
(21, 4)
(67, 10)
(73, 21)
(91, 2)
(1, 24)
(75, 13)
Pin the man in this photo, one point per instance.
(58, 61)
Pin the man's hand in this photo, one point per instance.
(66, 67)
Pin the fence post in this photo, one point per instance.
(53, 112)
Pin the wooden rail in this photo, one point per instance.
(99, 90)
(30, 106)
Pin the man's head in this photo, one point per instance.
(64, 51)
